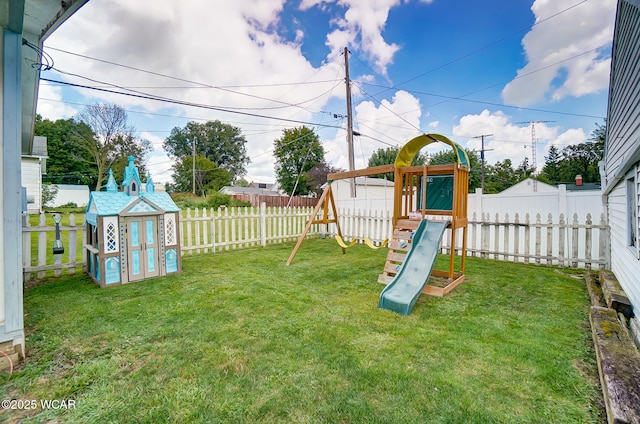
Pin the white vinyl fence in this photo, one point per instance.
(545, 240)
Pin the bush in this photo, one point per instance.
(237, 203)
(215, 200)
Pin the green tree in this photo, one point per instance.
(242, 183)
(388, 156)
(67, 162)
(449, 156)
(317, 175)
(209, 177)
(222, 144)
(296, 152)
(49, 192)
(551, 169)
(111, 139)
(524, 170)
(499, 176)
(581, 159)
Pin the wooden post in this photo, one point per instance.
(326, 195)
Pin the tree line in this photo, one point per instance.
(210, 155)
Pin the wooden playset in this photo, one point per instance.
(419, 192)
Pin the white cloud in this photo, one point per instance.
(389, 123)
(361, 27)
(507, 140)
(50, 105)
(158, 163)
(179, 40)
(513, 141)
(562, 59)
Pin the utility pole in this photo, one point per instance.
(193, 163)
(349, 122)
(482, 150)
(534, 140)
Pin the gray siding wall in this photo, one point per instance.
(624, 263)
(623, 117)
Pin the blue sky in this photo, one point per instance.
(461, 68)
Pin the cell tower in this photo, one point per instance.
(534, 140)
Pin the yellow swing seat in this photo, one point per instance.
(369, 243)
(343, 244)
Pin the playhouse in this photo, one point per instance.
(428, 201)
(131, 234)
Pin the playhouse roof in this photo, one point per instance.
(102, 203)
(113, 203)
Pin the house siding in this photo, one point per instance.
(623, 115)
(624, 262)
(31, 180)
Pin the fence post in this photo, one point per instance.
(549, 240)
(484, 236)
(212, 215)
(527, 238)
(574, 248)
(26, 247)
(516, 238)
(587, 242)
(505, 257)
(474, 235)
(263, 224)
(188, 223)
(496, 239)
(602, 241)
(42, 245)
(538, 238)
(562, 228)
(72, 243)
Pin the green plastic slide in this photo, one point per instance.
(401, 293)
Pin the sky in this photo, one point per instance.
(460, 68)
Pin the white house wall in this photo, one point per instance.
(71, 194)
(368, 197)
(624, 262)
(623, 116)
(32, 181)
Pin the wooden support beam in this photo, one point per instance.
(374, 170)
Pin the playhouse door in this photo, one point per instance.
(142, 247)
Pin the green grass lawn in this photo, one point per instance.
(240, 337)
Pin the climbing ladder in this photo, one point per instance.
(399, 245)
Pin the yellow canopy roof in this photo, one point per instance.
(413, 146)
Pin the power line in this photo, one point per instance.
(196, 105)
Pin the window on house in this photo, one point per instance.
(632, 213)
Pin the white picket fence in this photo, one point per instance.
(540, 240)
(204, 231)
